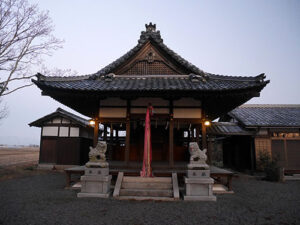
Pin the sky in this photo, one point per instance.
(237, 38)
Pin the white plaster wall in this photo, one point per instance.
(187, 113)
(50, 131)
(56, 120)
(74, 132)
(65, 121)
(64, 131)
(112, 112)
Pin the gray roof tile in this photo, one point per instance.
(149, 83)
(267, 115)
(226, 128)
(63, 113)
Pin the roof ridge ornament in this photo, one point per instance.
(109, 77)
(151, 27)
(196, 78)
(150, 32)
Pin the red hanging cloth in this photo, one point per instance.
(147, 170)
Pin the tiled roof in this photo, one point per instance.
(198, 80)
(267, 115)
(152, 83)
(150, 35)
(226, 128)
(63, 113)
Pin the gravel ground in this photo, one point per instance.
(41, 199)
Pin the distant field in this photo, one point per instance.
(18, 156)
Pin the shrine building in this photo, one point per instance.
(185, 99)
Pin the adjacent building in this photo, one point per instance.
(65, 138)
(273, 129)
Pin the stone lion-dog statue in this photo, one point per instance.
(97, 154)
(197, 156)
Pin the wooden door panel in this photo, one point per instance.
(48, 151)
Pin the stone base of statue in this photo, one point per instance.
(95, 183)
(198, 186)
(198, 183)
(96, 179)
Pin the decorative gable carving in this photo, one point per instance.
(149, 61)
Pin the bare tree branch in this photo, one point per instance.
(20, 87)
(20, 78)
(25, 37)
(3, 110)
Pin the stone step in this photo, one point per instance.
(146, 185)
(146, 198)
(146, 192)
(148, 179)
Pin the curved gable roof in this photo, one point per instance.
(61, 113)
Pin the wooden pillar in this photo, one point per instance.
(252, 154)
(127, 141)
(197, 133)
(210, 149)
(171, 142)
(105, 132)
(204, 142)
(171, 135)
(111, 133)
(117, 134)
(111, 140)
(96, 130)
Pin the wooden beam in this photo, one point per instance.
(96, 130)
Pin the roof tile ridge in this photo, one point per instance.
(107, 69)
(61, 78)
(144, 37)
(270, 106)
(148, 35)
(259, 78)
(181, 60)
(62, 111)
(154, 76)
(225, 123)
(229, 77)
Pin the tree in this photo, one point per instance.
(3, 110)
(25, 37)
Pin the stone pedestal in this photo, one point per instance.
(95, 183)
(198, 185)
